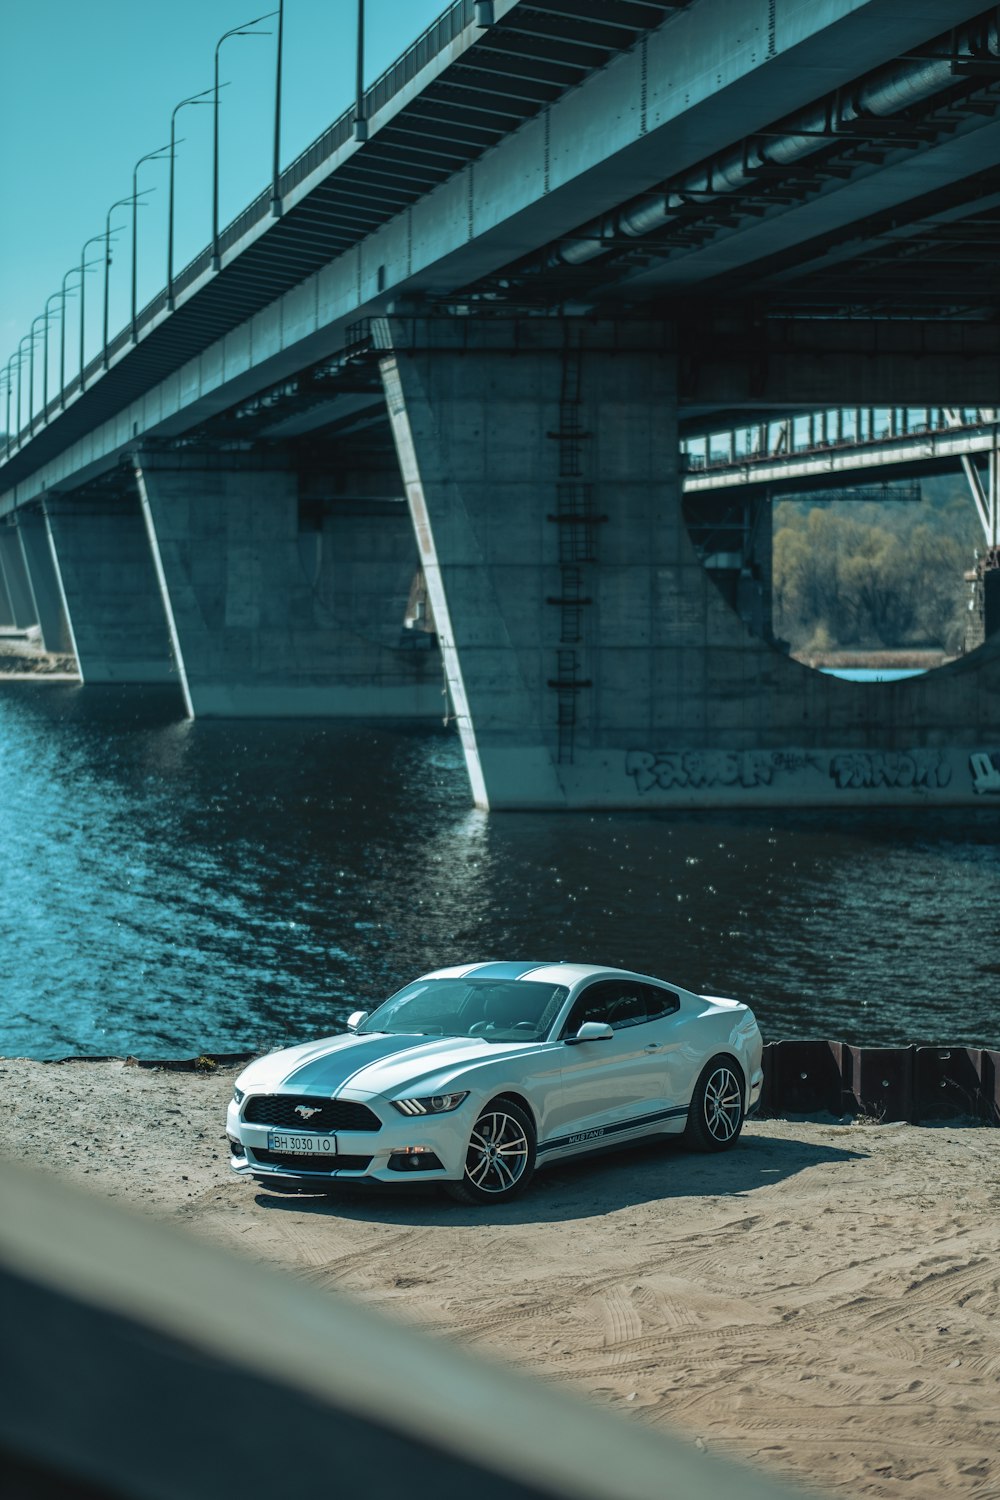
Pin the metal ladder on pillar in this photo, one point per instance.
(574, 516)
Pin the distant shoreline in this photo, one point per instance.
(23, 659)
(39, 675)
(888, 661)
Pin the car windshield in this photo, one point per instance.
(507, 1010)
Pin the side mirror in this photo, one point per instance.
(591, 1031)
(354, 1020)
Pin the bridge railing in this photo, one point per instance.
(819, 432)
(397, 77)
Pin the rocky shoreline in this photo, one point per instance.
(22, 655)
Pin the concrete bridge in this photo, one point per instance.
(833, 449)
(438, 378)
(731, 480)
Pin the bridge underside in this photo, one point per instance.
(251, 584)
(522, 475)
(760, 207)
(591, 660)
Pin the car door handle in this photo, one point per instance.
(652, 1046)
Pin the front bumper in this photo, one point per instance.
(431, 1147)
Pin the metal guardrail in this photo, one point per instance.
(393, 81)
(921, 1085)
(437, 37)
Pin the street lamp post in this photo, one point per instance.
(242, 30)
(10, 392)
(107, 266)
(45, 345)
(194, 99)
(157, 155)
(81, 271)
(62, 333)
(20, 366)
(276, 169)
(95, 239)
(42, 317)
(360, 122)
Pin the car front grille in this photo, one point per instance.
(332, 1114)
(298, 1162)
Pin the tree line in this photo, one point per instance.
(866, 575)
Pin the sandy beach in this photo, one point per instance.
(821, 1302)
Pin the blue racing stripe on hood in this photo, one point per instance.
(335, 1069)
(502, 971)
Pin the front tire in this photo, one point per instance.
(715, 1118)
(500, 1159)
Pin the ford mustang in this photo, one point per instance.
(478, 1075)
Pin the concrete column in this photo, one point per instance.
(110, 589)
(6, 608)
(22, 605)
(50, 610)
(281, 606)
(591, 660)
(540, 460)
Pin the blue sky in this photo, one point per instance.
(87, 87)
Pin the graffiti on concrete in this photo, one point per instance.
(903, 770)
(889, 768)
(985, 768)
(682, 768)
(795, 760)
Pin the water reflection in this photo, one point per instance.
(169, 888)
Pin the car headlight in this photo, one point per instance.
(437, 1104)
(238, 1094)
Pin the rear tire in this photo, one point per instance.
(500, 1159)
(715, 1118)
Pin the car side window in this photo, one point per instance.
(618, 1003)
(660, 1002)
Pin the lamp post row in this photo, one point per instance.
(134, 200)
(246, 29)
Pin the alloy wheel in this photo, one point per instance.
(499, 1153)
(723, 1104)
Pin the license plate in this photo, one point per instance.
(302, 1145)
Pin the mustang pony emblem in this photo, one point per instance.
(305, 1111)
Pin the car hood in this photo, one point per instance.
(376, 1064)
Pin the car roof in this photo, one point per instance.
(561, 972)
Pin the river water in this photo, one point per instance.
(170, 888)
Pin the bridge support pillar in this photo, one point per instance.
(15, 575)
(540, 462)
(109, 589)
(6, 609)
(284, 604)
(591, 660)
(50, 610)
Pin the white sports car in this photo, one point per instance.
(474, 1076)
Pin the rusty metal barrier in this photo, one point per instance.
(917, 1084)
